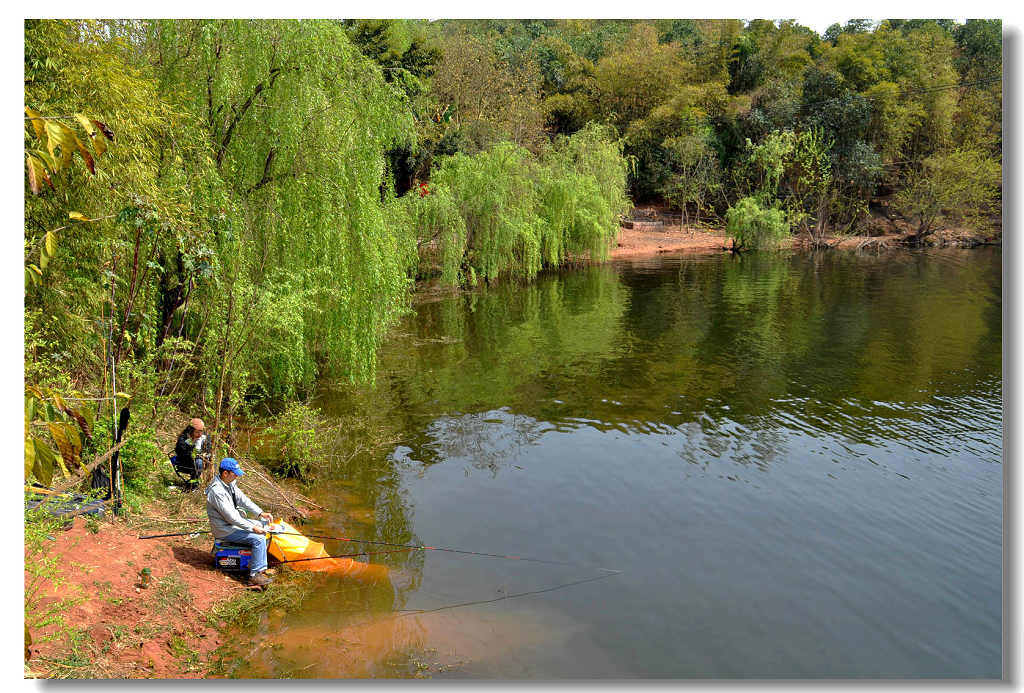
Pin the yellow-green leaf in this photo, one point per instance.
(68, 443)
(88, 417)
(100, 145)
(44, 259)
(45, 461)
(86, 124)
(30, 455)
(50, 241)
(43, 156)
(60, 134)
(33, 174)
(78, 216)
(86, 156)
(38, 122)
(37, 174)
(53, 138)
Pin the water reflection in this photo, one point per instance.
(821, 431)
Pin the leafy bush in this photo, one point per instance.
(298, 450)
(752, 226)
(962, 183)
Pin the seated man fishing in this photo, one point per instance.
(223, 501)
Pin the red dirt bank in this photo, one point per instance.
(635, 243)
(130, 632)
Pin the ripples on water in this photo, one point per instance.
(795, 460)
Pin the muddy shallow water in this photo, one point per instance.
(794, 460)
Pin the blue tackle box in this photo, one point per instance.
(231, 557)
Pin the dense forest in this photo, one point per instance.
(219, 213)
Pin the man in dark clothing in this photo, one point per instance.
(190, 447)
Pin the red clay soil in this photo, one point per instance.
(129, 632)
(637, 243)
(673, 239)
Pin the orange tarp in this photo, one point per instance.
(290, 545)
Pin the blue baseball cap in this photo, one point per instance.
(230, 464)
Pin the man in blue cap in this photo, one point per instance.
(223, 501)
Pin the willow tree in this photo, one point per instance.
(299, 122)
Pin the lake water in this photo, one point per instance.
(794, 460)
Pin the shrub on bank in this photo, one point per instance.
(755, 227)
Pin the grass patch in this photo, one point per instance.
(92, 524)
(80, 660)
(246, 610)
(171, 593)
(41, 570)
(187, 657)
(121, 637)
(148, 631)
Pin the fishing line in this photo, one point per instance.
(452, 550)
(407, 547)
(411, 612)
(420, 612)
(606, 572)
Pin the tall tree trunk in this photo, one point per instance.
(223, 380)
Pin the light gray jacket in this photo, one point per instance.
(223, 512)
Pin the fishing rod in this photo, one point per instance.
(343, 555)
(406, 547)
(176, 534)
(451, 550)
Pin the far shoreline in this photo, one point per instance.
(637, 243)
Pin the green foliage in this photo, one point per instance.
(440, 231)
(754, 227)
(811, 188)
(56, 428)
(493, 99)
(979, 61)
(697, 175)
(961, 185)
(767, 163)
(506, 211)
(642, 75)
(495, 194)
(300, 122)
(140, 459)
(768, 51)
(581, 196)
(298, 450)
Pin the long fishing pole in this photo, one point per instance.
(176, 534)
(407, 547)
(450, 550)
